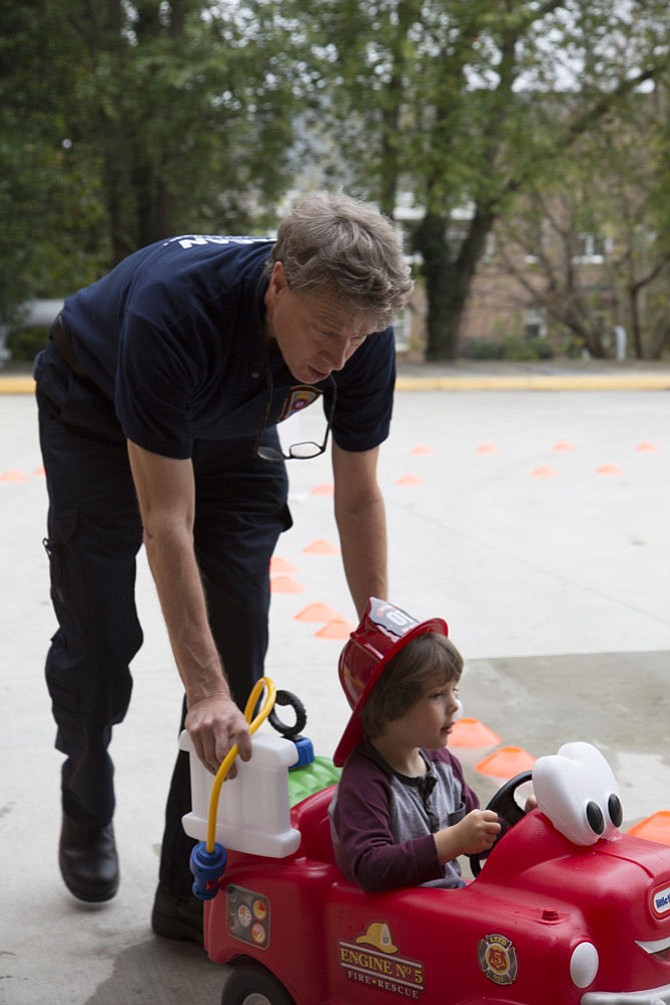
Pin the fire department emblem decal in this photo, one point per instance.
(298, 398)
(497, 959)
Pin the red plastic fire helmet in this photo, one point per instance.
(383, 631)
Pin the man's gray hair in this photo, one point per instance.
(334, 244)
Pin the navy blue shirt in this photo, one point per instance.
(173, 335)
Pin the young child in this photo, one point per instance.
(402, 811)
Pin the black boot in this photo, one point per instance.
(176, 917)
(88, 861)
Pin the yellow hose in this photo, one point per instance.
(268, 701)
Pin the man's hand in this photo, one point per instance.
(215, 724)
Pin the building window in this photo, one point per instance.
(402, 329)
(536, 242)
(535, 323)
(591, 249)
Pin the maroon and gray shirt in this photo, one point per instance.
(383, 822)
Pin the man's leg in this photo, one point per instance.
(94, 534)
(240, 513)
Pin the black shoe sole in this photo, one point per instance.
(173, 928)
(177, 918)
(89, 894)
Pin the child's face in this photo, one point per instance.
(429, 722)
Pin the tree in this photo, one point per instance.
(612, 198)
(180, 100)
(49, 201)
(146, 118)
(456, 102)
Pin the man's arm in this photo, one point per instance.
(361, 523)
(166, 494)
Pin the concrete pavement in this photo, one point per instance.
(536, 523)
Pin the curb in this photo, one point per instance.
(545, 382)
(17, 385)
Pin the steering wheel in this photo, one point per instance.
(505, 805)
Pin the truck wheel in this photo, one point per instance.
(251, 984)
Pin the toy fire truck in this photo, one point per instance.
(566, 910)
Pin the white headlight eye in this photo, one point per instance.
(576, 789)
(584, 964)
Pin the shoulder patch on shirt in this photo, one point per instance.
(298, 398)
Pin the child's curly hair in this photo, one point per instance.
(424, 660)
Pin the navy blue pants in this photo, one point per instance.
(93, 537)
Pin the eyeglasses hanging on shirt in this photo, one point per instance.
(306, 449)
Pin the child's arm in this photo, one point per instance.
(365, 848)
(475, 833)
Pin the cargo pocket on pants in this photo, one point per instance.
(61, 578)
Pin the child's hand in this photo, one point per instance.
(474, 834)
(478, 831)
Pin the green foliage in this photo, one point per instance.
(122, 122)
(512, 348)
(527, 349)
(30, 134)
(25, 343)
(485, 349)
(611, 191)
(143, 119)
(465, 104)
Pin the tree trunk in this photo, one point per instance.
(391, 137)
(635, 323)
(443, 307)
(449, 279)
(117, 190)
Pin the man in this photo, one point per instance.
(159, 396)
